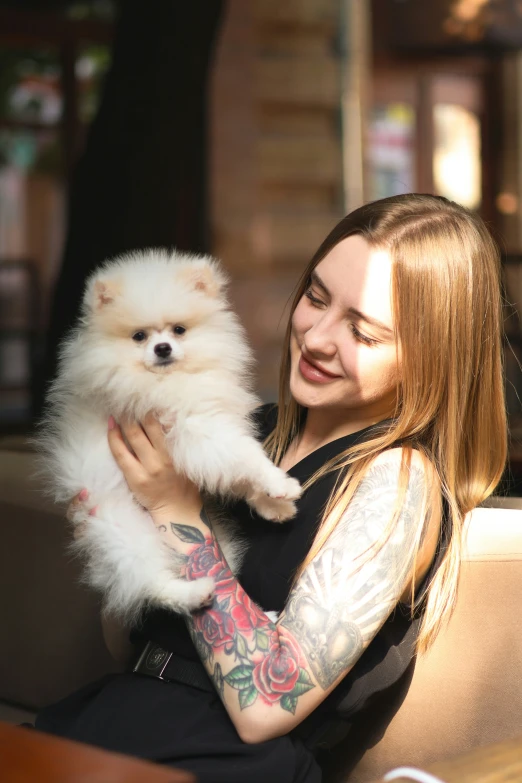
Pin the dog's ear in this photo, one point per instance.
(205, 277)
(105, 292)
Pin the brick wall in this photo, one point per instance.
(276, 158)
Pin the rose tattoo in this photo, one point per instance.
(269, 664)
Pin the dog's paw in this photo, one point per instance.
(292, 489)
(274, 495)
(186, 597)
(81, 507)
(273, 509)
(280, 486)
(202, 593)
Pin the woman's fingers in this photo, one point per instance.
(142, 447)
(126, 461)
(156, 436)
(141, 455)
(147, 441)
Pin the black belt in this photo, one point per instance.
(156, 662)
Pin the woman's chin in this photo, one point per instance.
(306, 395)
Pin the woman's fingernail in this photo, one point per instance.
(83, 494)
(112, 423)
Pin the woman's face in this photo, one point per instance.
(343, 351)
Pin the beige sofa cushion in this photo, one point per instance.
(467, 690)
(50, 633)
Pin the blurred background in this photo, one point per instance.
(244, 128)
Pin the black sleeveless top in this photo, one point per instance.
(364, 702)
(178, 725)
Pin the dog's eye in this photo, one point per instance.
(139, 336)
(179, 329)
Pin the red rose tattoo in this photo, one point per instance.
(226, 582)
(216, 627)
(203, 559)
(278, 673)
(246, 615)
(268, 662)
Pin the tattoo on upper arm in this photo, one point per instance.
(346, 593)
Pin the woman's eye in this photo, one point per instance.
(179, 329)
(140, 336)
(362, 337)
(314, 300)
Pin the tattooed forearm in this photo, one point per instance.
(241, 646)
(340, 603)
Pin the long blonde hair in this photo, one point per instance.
(448, 321)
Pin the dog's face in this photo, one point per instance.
(161, 349)
(158, 315)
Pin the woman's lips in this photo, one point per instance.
(313, 373)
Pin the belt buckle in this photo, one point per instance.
(153, 661)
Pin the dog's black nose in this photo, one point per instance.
(162, 350)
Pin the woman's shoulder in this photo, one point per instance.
(417, 462)
(423, 499)
(383, 482)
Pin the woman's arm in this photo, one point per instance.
(272, 675)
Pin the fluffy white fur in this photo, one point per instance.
(201, 393)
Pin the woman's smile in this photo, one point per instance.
(314, 372)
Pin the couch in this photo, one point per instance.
(465, 692)
(46, 614)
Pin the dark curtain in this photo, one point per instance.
(141, 180)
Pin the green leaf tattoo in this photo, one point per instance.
(289, 702)
(187, 533)
(247, 697)
(303, 684)
(240, 677)
(304, 678)
(261, 640)
(241, 646)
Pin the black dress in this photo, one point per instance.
(182, 726)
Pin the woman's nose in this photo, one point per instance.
(320, 338)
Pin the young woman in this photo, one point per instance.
(391, 414)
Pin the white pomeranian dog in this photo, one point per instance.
(155, 334)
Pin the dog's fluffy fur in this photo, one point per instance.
(199, 387)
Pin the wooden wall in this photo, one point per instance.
(276, 156)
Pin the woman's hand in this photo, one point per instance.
(148, 469)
